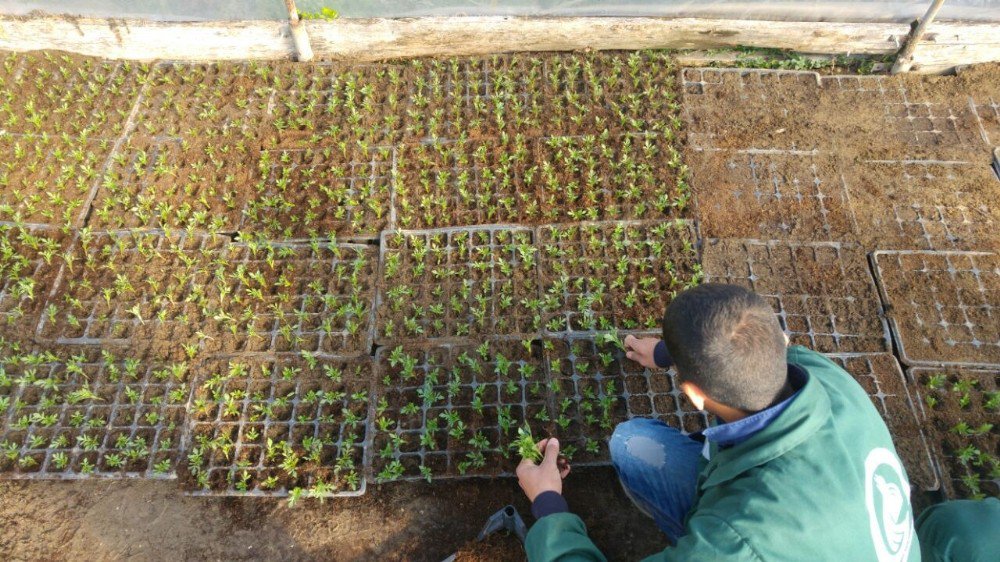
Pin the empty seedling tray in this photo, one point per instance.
(942, 305)
(772, 193)
(823, 292)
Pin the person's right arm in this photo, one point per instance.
(563, 537)
(649, 352)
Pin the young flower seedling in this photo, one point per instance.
(525, 444)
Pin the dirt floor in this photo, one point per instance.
(152, 520)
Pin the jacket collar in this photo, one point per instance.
(808, 411)
(733, 433)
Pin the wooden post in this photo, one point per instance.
(904, 60)
(299, 36)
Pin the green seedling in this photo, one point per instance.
(525, 444)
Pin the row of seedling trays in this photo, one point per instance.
(287, 424)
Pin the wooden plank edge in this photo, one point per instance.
(362, 40)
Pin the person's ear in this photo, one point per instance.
(695, 394)
(787, 341)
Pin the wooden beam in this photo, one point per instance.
(147, 40)
(376, 39)
(944, 46)
(947, 45)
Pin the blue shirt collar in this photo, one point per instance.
(733, 433)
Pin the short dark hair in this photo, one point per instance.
(726, 340)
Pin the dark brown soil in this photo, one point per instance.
(258, 153)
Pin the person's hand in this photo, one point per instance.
(641, 350)
(546, 476)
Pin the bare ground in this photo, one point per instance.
(153, 520)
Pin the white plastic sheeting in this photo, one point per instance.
(805, 10)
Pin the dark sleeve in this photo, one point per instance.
(548, 503)
(661, 356)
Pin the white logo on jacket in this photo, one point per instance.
(887, 496)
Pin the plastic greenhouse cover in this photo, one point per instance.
(857, 10)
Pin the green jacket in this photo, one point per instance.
(961, 530)
(821, 482)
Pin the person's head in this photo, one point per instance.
(727, 347)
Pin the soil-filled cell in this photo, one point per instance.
(959, 411)
(823, 293)
(942, 305)
(300, 419)
(96, 414)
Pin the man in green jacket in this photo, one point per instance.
(799, 467)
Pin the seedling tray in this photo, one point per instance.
(823, 292)
(29, 264)
(897, 401)
(942, 306)
(457, 283)
(123, 283)
(96, 415)
(268, 424)
(308, 297)
(909, 114)
(539, 95)
(957, 406)
(575, 388)
(613, 274)
(171, 182)
(53, 94)
(455, 408)
(713, 120)
(301, 193)
(176, 291)
(212, 92)
(49, 179)
(923, 204)
(771, 194)
(540, 180)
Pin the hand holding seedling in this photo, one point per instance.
(641, 350)
(546, 476)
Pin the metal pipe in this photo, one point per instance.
(904, 59)
(303, 49)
